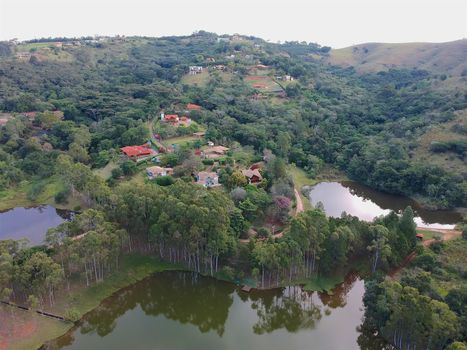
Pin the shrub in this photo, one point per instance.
(264, 232)
(62, 196)
(165, 180)
(208, 161)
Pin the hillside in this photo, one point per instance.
(439, 58)
(263, 96)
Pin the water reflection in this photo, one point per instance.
(366, 203)
(180, 310)
(31, 223)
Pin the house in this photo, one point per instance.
(253, 175)
(3, 121)
(261, 66)
(214, 152)
(138, 153)
(220, 67)
(156, 171)
(288, 78)
(193, 107)
(170, 118)
(195, 70)
(207, 179)
(211, 59)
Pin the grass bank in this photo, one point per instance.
(34, 330)
(31, 193)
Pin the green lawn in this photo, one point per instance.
(197, 79)
(427, 234)
(106, 172)
(18, 196)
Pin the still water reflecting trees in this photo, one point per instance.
(172, 305)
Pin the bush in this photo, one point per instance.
(263, 232)
(208, 161)
(128, 168)
(117, 173)
(62, 196)
(72, 315)
(35, 190)
(165, 180)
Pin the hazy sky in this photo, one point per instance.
(335, 23)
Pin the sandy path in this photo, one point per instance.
(298, 199)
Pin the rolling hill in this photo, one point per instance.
(439, 58)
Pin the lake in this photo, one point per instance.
(182, 310)
(31, 223)
(366, 203)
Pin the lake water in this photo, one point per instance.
(366, 203)
(181, 310)
(31, 223)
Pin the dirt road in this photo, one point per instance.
(299, 201)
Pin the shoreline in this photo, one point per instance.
(135, 269)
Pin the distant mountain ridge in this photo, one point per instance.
(439, 58)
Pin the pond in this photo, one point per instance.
(366, 203)
(182, 310)
(31, 223)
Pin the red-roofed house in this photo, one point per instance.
(171, 118)
(138, 153)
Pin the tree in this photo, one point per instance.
(42, 275)
(237, 179)
(379, 246)
(284, 143)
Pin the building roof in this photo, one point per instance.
(204, 175)
(193, 107)
(158, 170)
(171, 117)
(216, 149)
(136, 151)
(250, 173)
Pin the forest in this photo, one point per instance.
(67, 111)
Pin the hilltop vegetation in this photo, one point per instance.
(367, 125)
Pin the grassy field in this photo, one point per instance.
(427, 234)
(133, 268)
(441, 133)
(452, 259)
(179, 140)
(263, 83)
(106, 172)
(373, 57)
(18, 196)
(196, 79)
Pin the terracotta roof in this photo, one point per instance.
(136, 151)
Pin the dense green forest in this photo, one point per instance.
(68, 108)
(367, 125)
